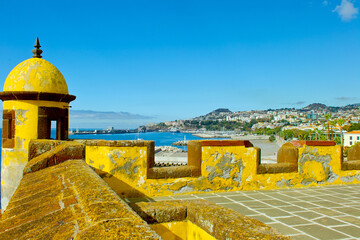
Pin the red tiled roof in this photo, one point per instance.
(354, 132)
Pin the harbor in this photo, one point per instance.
(166, 142)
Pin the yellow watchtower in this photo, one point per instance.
(35, 94)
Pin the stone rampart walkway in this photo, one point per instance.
(328, 212)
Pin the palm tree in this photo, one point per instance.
(333, 132)
(341, 122)
(327, 118)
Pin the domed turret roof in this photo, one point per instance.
(36, 75)
(36, 79)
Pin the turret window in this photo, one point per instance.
(51, 116)
(8, 129)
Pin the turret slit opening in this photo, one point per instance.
(8, 129)
(50, 118)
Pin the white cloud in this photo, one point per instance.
(88, 114)
(346, 10)
(325, 3)
(119, 120)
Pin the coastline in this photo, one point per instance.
(232, 136)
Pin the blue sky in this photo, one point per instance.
(167, 60)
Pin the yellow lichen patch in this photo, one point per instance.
(36, 74)
(313, 170)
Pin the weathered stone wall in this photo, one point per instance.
(14, 159)
(126, 169)
(219, 222)
(70, 201)
(223, 168)
(53, 153)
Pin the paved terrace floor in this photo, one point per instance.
(328, 212)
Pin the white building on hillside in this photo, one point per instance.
(350, 138)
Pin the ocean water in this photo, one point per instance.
(160, 138)
(163, 139)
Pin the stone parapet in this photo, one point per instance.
(219, 222)
(58, 153)
(301, 143)
(127, 166)
(69, 201)
(40, 146)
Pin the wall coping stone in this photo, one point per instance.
(301, 143)
(70, 201)
(219, 222)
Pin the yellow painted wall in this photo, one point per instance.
(222, 169)
(228, 168)
(126, 166)
(15, 159)
(185, 230)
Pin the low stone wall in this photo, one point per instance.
(69, 201)
(228, 165)
(217, 166)
(210, 168)
(221, 223)
(52, 153)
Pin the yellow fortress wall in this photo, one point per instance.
(223, 168)
(34, 94)
(26, 128)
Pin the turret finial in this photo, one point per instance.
(37, 52)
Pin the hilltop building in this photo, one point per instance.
(351, 138)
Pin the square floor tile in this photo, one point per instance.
(349, 210)
(283, 229)
(301, 237)
(328, 221)
(250, 192)
(255, 204)
(275, 202)
(308, 215)
(261, 196)
(273, 212)
(218, 199)
(326, 204)
(295, 193)
(239, 208)
(350, 219)
(262, 218)
(340, 200)
(241, 198)
(327, 211)
(314, 193)
(351, 230)
(342, 191)
(292, 209)
(305, 204)
(309, 199)
(320, 232)
(293, 220)
(282, 197)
